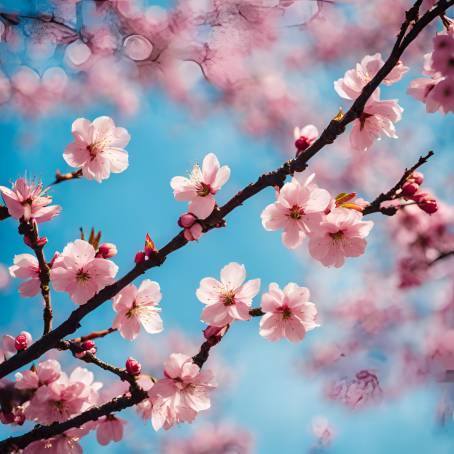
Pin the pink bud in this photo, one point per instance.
(20, 343)
(88, 345)
(430, 206)
(107, 250)
(140, 257)
(418, 177)
(194, 232)
(186, 220)
(301, 144)
(133, 366)
(214, 334)
(410, 188)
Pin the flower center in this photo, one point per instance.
(296, 212)
(337, 236)
(96, 148)
(82, 276)
(362, 119)
(203, 189)
(228, 298)
(286, 313)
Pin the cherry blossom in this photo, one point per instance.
(110, 428)
(202, 185)
(298, 209)
(228, 299)
(181, 394)
(354, 80)
(305, 137)
(28, 200)
(341, 234)
(378, 118)
(98, 148)
(138, 306)
(45, 373)
(288, 313)
(26, 266)
(64, 397)
(77, 271)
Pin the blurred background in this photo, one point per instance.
(234, 78)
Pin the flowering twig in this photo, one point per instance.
(31, 235)
(94, 335)
(274, 178)
(60, 177)
(375, 206)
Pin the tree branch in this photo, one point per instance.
(375, 206)
(30, 232)
(277, 177)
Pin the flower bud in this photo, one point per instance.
(417, 177)
(301, 144)
(88, 344)
(194, 232)
(20, 343)
(133, 366)
(140, 257)
(186, 220)
(430, 206)
(107, 250)
(410, 188)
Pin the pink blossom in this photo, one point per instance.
(202, 185)
(341, 234)
(138, 306)
(305, 137)
(443, 94)
(443, 55)
(182, 394)
(322, 430)
(356, 392)
(62, 444)
(63, 398)
(77, 271)
(26, 266)
(288, 313)
(194, 232)
(229, 299)
(110, 428)
(45, 373)
(354, 80)
(98, 148)
(378, 118)
(29, 201)
(297, 210)
(422, 90)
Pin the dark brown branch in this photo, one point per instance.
(275, 178)
(375, 206)
(44, 432)
(60, 177)
(30, 232)
(94, 335)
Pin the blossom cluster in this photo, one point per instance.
(437, 90)
(378, 116)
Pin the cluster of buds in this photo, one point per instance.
(133, 367)
(87, 346)
(192, 229)
(411, 191)
(149, 250)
